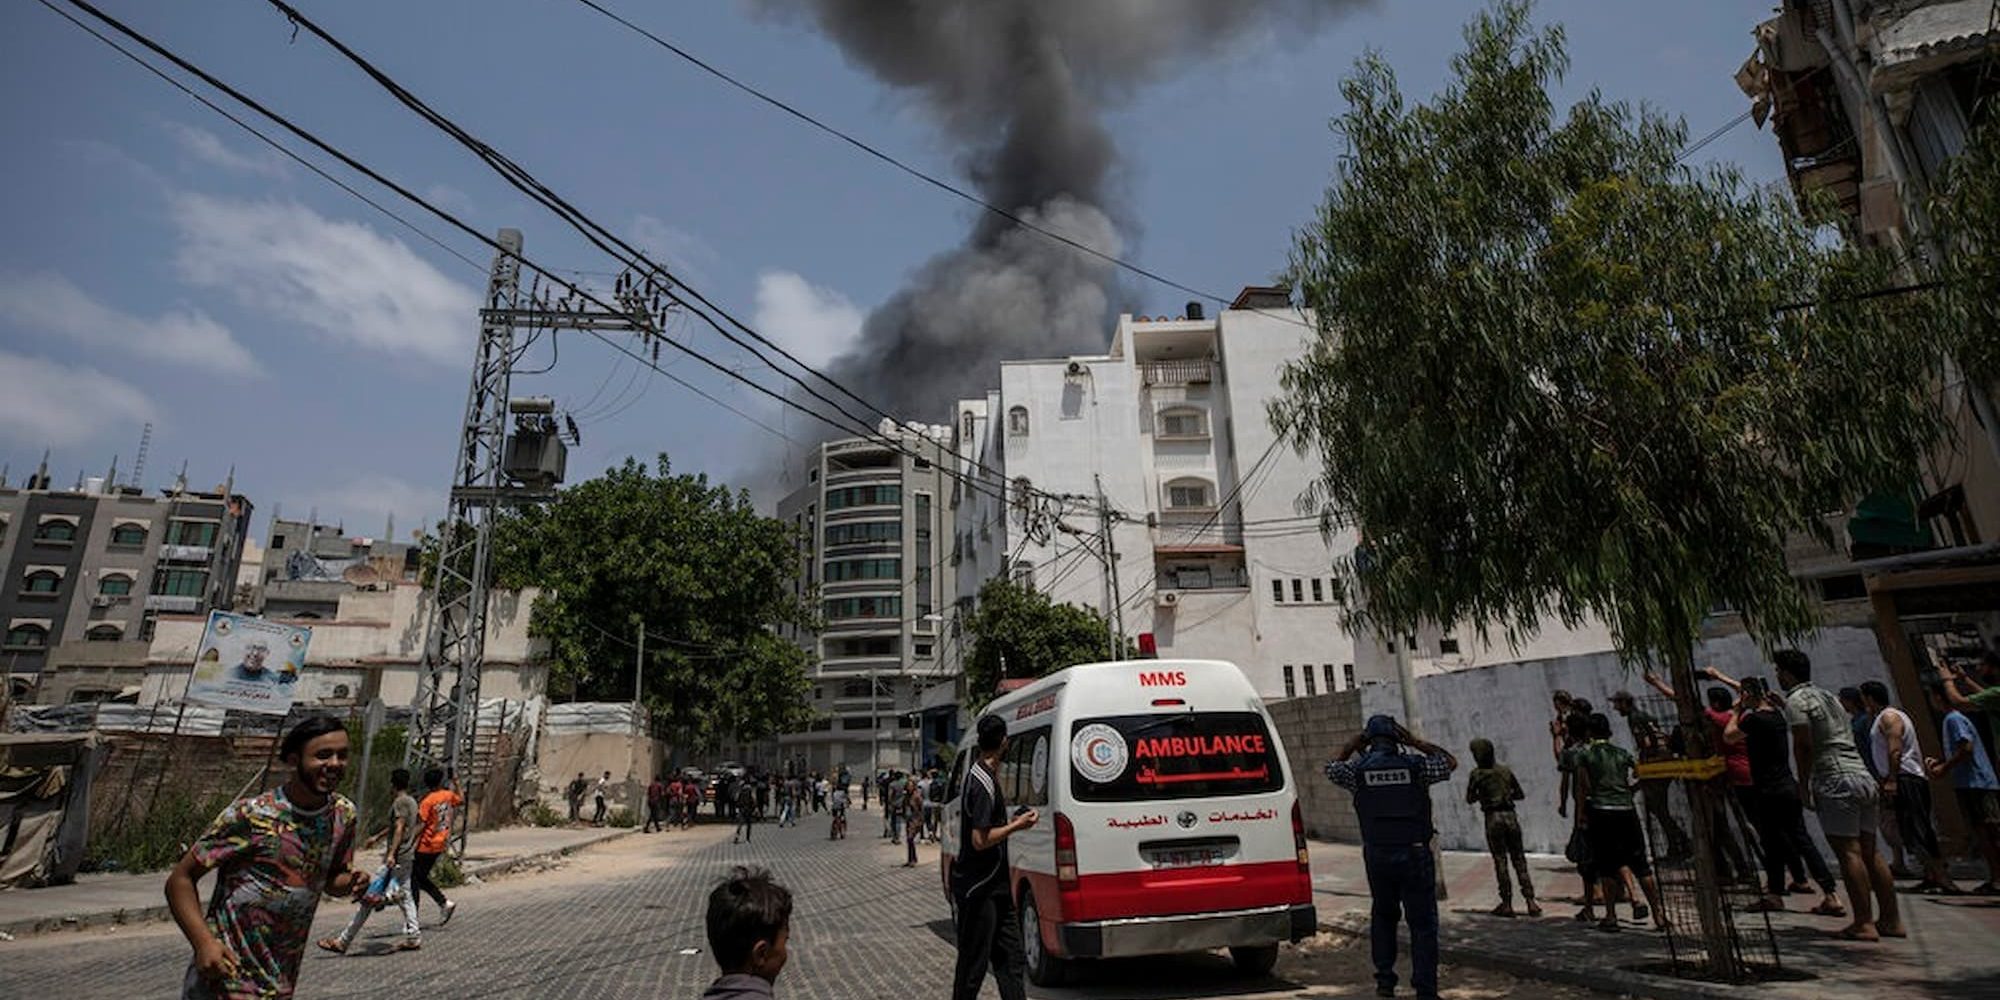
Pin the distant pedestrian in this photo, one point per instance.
(894, 801)
(602, 794)
(576, 790)
(656, 798)
(1836, 784)
(273, 854)
(1605, 771)
(1494, 789)
(788, 799)
(1906, 788)
(837, 808)
(866, 786)
(397, 858)
(749, 931)
(913, 818)
(1973, 781)
(989, 936)
(746, 816)
(435, 815)
(1392, 799)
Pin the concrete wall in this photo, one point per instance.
(1509, 704)
(1313, 730)
(630, 760)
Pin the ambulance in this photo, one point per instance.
(1169, 818)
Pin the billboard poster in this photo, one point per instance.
(248, 663)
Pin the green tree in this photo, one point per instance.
(1018, 632)
(1560, 374)
(1966, 212)
(692, 563)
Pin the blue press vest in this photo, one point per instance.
(1390, 798)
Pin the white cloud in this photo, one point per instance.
(48, 303)
(814, 323)
(448, 198)
(209, 148)
(43, 403)
(672, 246)
(343, 279)
(364, 503)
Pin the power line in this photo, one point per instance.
(934, 181)
(609, 242)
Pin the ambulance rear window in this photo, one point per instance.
(1180, 755)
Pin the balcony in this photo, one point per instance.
(172, 602)
(186, 553)
(1177, 373)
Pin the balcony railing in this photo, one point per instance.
(1217, 578)
(1184, 372)
(172, 602)
(185, 553)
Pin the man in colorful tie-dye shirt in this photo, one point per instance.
(273, 854)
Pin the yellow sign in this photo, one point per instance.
(1698, 770)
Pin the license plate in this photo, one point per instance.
(1190, 858)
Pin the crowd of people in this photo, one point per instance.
(1851, 757)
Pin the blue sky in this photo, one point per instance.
(162, 265)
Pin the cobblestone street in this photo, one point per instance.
(623, 920)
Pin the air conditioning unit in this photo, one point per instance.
(103, 601)
(1167, 599)
(1076, 369)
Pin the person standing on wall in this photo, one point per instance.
(1392, 799)
(989, 935)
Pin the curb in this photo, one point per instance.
(153, 914)
(1618, 982)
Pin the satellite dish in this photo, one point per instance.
(361, 575)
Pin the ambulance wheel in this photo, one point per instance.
(1044, 969)
(1255, 961)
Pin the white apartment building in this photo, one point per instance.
(874, 528)
(1169, 426)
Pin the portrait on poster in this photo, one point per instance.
(248, 663)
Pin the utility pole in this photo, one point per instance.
(1114, 616)
(494, 469)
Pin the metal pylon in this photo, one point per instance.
(447, 702)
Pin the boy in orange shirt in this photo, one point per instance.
(435, 814)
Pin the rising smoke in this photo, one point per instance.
(1021, 88)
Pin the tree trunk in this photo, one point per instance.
(1718, 937)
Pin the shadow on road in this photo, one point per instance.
(1162, 977)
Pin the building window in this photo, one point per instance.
(854, 689)
(1312, 684)
(41, 581)
(129, 534)
(1190, 494)
(58, 530)
(1278, 591)
(1024, 574)
(1298, 590)
(1318, 596)
(1183, 422)
(857, 722)
(1410, 643)
(1330, 688)
(181, 582)
(1291, 686)
(921, 505)
(965, 425)
(863, 496)
(864, 532)
(191, 533)
(864, 607)
(277, 541)
(864, 569)
(114, 586)
(104, 633)
(923, 650)
(1447, 646)
(28, 636)
(921, 462)
(1017, 421)
(1347, 674)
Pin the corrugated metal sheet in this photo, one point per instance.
(589, 717)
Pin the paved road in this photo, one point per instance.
(624, 920)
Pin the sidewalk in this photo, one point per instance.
(119, 898)
(1950, 951)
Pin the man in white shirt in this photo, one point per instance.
(1892, 744)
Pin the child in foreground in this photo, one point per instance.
(749, 924)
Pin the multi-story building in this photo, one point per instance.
(308, 566)
(873, 525)
(99, 563)
(1167, 430)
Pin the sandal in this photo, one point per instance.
(1764, 904)
(1585, 916)
(332, 945)
(1608, 926)
(1640, 911)
(1826, 909)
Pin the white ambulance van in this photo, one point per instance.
(1169, 820)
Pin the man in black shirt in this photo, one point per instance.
(989, 935)
(1772, 798)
